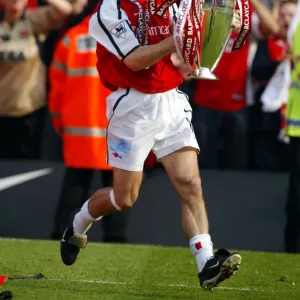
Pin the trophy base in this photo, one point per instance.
(204, 73)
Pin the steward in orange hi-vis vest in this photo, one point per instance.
(77, 100)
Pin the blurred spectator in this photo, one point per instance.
(268, 153)
(48, 46)
(22, 74)
(77, 102)
(220, 116)
(51, 148)
(292, 229)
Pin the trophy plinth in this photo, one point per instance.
(203, 73)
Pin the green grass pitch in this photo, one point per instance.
(132, 272)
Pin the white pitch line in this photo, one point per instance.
(161, 285)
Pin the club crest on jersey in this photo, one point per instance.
(119, 31)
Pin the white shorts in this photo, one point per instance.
(139, 123)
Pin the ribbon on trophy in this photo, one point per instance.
(187, 31)
(161, 10)
(244, 7)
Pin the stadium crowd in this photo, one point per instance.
(235, 128)
(239, 120)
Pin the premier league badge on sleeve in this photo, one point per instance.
(119, 31)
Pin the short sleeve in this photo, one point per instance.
(111, 28)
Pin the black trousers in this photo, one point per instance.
(292, 229)
(20, 137)
(74, 193)
(222, 136)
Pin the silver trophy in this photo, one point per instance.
(216, 29)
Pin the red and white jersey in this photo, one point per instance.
(229, 93)
(116, 29)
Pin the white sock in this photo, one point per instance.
(202, 248)
(83, 220)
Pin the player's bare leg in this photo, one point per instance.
(121, 196)
(182, 168)
(183, 171)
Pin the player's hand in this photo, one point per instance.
(184, 69)
(236, 21)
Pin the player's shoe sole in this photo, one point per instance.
(228, 268)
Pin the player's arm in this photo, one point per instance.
(146, 56)
(267, 22)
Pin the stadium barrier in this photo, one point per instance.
(246, 210)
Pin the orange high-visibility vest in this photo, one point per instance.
(77, 100)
